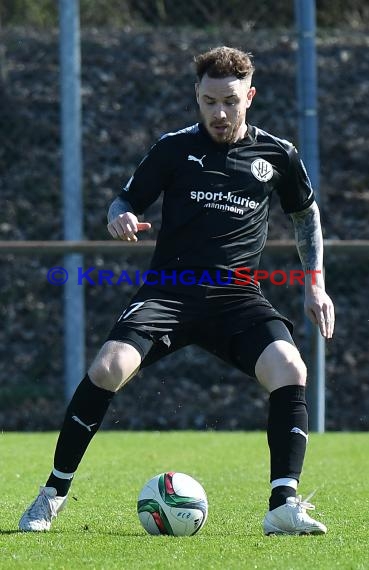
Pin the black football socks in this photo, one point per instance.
(83, 418)
(287, 438)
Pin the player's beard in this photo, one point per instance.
(230, 133)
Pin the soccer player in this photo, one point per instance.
(217, 178)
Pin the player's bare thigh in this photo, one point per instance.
(115, 364)
(280, 364)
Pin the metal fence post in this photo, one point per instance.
(70, 73)
(305, 13)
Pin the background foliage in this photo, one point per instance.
(236, 13)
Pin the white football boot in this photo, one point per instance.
(42, 511)
(292, 518)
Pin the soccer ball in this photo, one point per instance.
(172, 503)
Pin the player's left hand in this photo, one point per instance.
(319, 309)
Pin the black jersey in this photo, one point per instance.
(216, 197)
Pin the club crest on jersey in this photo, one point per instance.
(262, 170)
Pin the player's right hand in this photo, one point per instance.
(125, 226)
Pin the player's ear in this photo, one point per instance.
(197, 91)
(250, 95)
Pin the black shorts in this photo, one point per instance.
(233, 322)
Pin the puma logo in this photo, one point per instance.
(88, 427)
(199, 160)
(299, 431)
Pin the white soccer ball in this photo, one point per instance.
(172, 503)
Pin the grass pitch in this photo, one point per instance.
(100, 530)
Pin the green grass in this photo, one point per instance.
(100, 529)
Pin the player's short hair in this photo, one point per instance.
(224, 61)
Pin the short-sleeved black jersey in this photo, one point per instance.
(216, 196)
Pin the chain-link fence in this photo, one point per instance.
(137, 83)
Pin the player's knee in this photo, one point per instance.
(296, 372)
(280, 365)
(115, 364)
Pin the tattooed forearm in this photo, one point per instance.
(309, 239)
(119, 206)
